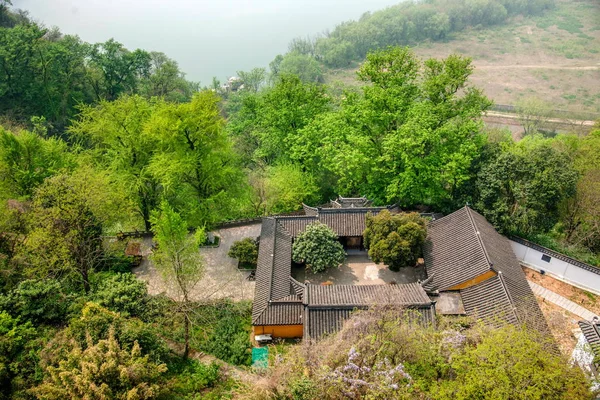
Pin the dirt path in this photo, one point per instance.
(540, 66)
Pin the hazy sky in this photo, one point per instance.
(206, 38)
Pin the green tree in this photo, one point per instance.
(245, 251)
(14, 338)
(65, 227)
(413, 135)
(318, 248)
(114, 133)
(301, 65)
(102, 370)
(253, 79)
(40, 301)
(115, 70)
(268, 125)
(123, 293)
(26, 159)
(395, 239)
(178, 260)
(533, 113)
(193, 160)
(165, 80)
(279, 189)
(512, 363)
(521, 190)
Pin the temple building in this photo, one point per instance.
(470, 270)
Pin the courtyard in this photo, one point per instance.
(221, 278)
(359, 269)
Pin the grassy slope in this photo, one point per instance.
(555, 57)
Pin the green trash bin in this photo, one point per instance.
(260, 357)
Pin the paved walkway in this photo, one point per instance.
(561, 301)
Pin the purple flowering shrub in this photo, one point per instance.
(356, 379)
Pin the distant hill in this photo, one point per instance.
(554, 56)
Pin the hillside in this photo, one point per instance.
(555, 57)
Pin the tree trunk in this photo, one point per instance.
(186, 324)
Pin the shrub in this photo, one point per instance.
(40, 301)
(246, 251)
(102, 370)
(122, 293)
(229, 341)
(318, 247)
(196, 377)
(96, 321)
(395, 239)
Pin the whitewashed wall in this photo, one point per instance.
(560, 266)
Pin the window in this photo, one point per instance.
(546, 258)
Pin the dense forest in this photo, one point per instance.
(97, 139)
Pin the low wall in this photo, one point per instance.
(557, 265)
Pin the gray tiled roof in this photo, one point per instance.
(320, 321)
(489, 301)
(281, 313)
(365, 295)
(296, 224)
(453, 251)
(462, 246)
(327, 307)
(273, 269)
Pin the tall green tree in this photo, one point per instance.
(64, 239)
(178, 260)
(521, 190)
(115, 70)
(114, 134)
(194, 160)
(413, 134)
(26, 159)
(165, 80)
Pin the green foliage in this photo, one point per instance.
(194, 379)
(26, 159)
(102, 370)
(193, 160)
(521, 189)
(177, 259)
(280, 189)
(387, 354)
(245, 251)
(511, 363)
(408, 23)
(267, 125)
(229, 340)
(122, 293)
(411, 138)
(395, 239)
(65, 228)
(40, 301)
(318, 248)
(96, 321)
(301, 65)
(14, 338)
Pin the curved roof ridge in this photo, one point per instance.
(478, 234)
(510, 299)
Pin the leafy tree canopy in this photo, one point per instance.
(318, 248)
(395, 239)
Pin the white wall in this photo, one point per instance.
(569, 273)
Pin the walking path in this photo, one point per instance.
(561, 301)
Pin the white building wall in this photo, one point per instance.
(565, 271)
